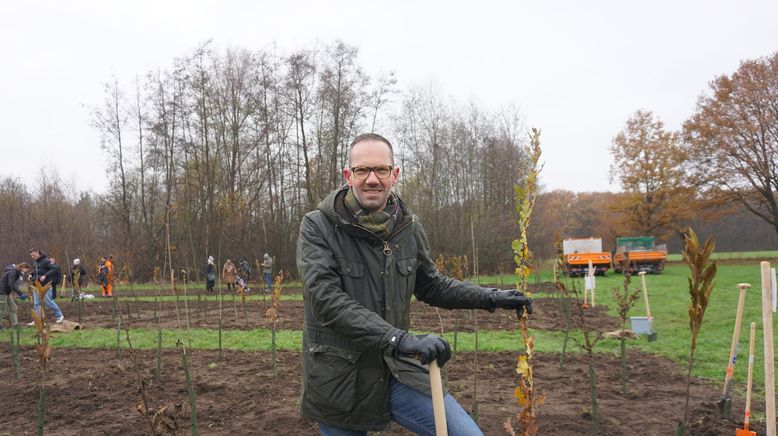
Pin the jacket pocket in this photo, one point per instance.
(332, 377)
(406, 267)
(407, 278)
(351, 269)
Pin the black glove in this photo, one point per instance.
(424, 347)
(508, 300)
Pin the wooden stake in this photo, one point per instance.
(438, 405)
(750, 374)
(769, 358)
(642, 275)
(591, 278)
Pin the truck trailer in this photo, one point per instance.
(639, 253)
(578, 252)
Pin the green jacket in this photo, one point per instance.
(357, 292)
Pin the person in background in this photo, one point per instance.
(10, 283)
(267, 270)
(109, 276)
(210, 275)
(41, 271)
(56, 277)
(102, 278)
(77, 278)
(229, 274)
(244, 270)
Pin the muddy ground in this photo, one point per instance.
(125, 290)
(548, 314)
(90, 392)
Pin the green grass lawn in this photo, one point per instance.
(669, 300)
(733, 255)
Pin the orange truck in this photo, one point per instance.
(639, 253)
(578, 253)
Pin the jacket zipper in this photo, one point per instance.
(387, 250)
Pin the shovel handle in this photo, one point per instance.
(735, 336)
(438, 406)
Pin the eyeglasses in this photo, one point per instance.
(381, 171)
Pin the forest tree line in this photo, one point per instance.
(223, 153)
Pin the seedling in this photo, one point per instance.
(186, 308)
(625, 300)
(273, 314)
(191, 390)
(701, 284)
(526, 395)
(43, 331)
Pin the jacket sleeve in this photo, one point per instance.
(329, 303)
(441, 291)
(15, 282)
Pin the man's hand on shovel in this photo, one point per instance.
(432, 350)
(426, 348)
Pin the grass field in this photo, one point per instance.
(734, 255)
(669, 301)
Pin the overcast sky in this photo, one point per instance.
(576, 69)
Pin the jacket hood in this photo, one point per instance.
(11, 267)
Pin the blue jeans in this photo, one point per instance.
(413, 410)
(49, 303)
(268, 281)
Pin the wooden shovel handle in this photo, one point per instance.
(438, 406)
(735, 335)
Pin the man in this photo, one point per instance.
(10, 283)
(55, 276)
(42, 271)
(102, 278)
(362, 255)
(267, 270)
(77, 278)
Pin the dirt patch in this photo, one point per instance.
(92, 391)
(549, 314)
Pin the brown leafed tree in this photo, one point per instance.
(648, 163)
(732, 138)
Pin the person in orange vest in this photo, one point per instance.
(102, 278)
(109, 266)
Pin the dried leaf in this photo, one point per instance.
(521, 398)
(522, 367)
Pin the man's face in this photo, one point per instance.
(34, 255)
(372, 192)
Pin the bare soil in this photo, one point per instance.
(92, 392)
(548, 314)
